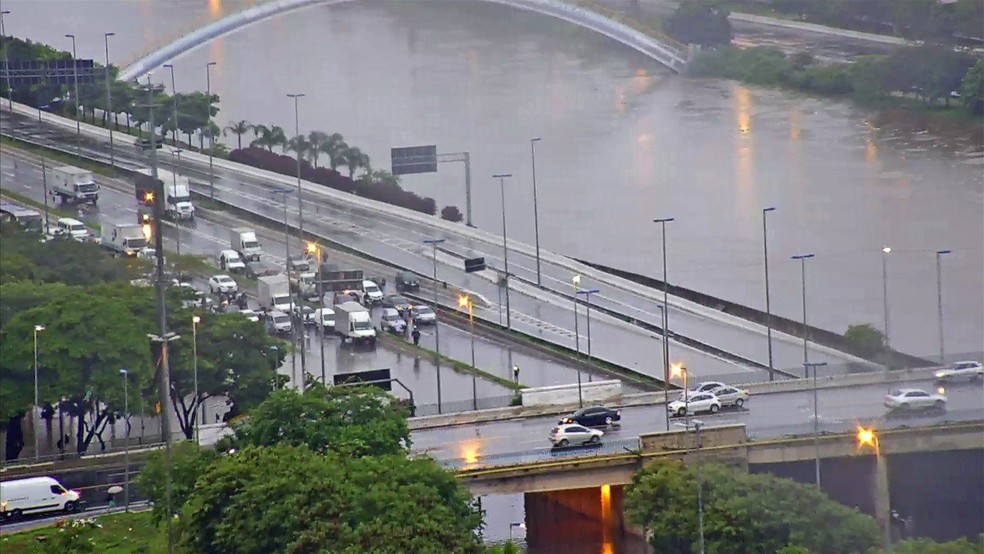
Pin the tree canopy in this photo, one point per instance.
(703, 22)
(348, 421)
(743, 513)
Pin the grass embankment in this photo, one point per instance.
(456, 365)
(133, 533)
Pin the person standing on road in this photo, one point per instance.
(416, 336)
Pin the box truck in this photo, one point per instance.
(274, 292)
(126, 239)
(352, 322)
(243, 240)
(72, 184)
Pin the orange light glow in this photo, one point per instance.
(146, 231)
(312, 248)
(469, 452)
(148, 197)
(677, 370)
(463, 301)
(866, 437)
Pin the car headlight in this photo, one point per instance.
(940, 374)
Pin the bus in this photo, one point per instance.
(26, 217)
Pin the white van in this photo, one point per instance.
(34, 496)
(73, 228)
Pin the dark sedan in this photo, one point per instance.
(396, 301)
(261, 269)
(593, 417)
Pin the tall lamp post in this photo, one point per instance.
(10, 90)
(587, 299)
(297, 138)
(175, 162)
(211, 135)
(885, 252)
(314, 249)
(666, 320)
(195, 320)
(868, 437)
(576, 282)
(78, 118)
(505, 249)
(165, 418)
(37, 401)
(293, 327)
(811, 367)
(465, 301)
(437, 328)
(126, 446)
(806, 334)
(939, 299)
(768, 300)
(174, 107)
(536, 211)
(109, 103)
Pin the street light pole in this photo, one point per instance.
(437, 328)
(768, 302)
(174, 97)
(37, 401)
(939, 299)
(297, 139)
(700, 487)
(211, 135)
(195, 320)
(576, 281)
(466, 301)
(44, 177)
(315, 248)
(78, 120)
(6, 63)
(885, 252)
(808, 366)
(868, 437)
(126, 446)
(109, 104)
(666, 321)
(505, 249)
(175, 161)
(536, 211)
(802, 259)
(587, 298)
(290, 296)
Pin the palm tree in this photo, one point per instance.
(239, 129)
(279, 138)
(301, 146)
(268, 137)
(380, 176)
(334, 147)
(355, 159)
(316, 139)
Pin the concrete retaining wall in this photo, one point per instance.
(560, 395)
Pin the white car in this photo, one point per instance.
(424, 315)
(960, 371)
(565, 435)
(701, 402)
(392, 322)
(709, 386)
(326, 317)
(278, 322)
(732, 396)
(222, 284)
(250, 314)
(229, 260)
(905, 399)
(372, 293)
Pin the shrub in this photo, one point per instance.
(451, 213)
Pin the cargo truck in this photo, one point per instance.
(274, 293)
(243, 240)
(123, 239)
(353, 323)
(72, 184)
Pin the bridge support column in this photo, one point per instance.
(593, 515)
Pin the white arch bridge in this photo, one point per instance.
(667, 52)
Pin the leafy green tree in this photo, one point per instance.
(864, 339)
(232, 362)
(703, 22)
(238, 128)
(188, 461)
(972, 88)
(743, 513)
(290, 499)
(929, 546)
(349, 421)
(87, 339)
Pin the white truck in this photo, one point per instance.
(21, 497)
(177, 194)
(353, 323)
(304, 284)
(274, 293)
(126, 239)
(72, 184)
(243, 240)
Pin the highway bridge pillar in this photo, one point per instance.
(589, 515)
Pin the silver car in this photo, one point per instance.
(566, 435)
(731, 396)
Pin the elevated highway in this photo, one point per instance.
(626, 333)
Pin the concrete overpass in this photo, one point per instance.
(662, 49)
(729, 444)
